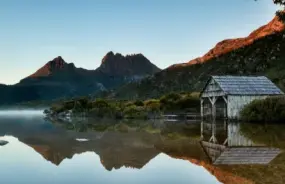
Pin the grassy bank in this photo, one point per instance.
(120, 109)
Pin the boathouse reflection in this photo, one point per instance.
(225, 144)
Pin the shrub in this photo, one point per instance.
(171, 97)
(271, 109)
(84, 101)
(78, 107)
(100, 103)
(180, 102)
(108, 111)
(152, 106)
(168, 102)
(57, 108)
(188, 102)
(135, 112)
(138, 103)
(68, 105)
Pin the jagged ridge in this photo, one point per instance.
(57, 78)
(119, 65)
(226, 46)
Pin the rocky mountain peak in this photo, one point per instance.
(108, 56)
(51, 66)
(119, 65)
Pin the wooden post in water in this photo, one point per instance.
(202, 129)
(202, 107)
(213, 102)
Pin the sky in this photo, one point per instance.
(33, 32)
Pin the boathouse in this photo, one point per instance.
(225, 96)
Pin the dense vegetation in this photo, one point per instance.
(265, 56)
(271, 109)
(153, 108)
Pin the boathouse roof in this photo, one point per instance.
(246, 85)
(222, 155)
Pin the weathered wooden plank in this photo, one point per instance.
(247, 155)
(211, 145)
(237, 102)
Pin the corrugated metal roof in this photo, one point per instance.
(244, 85)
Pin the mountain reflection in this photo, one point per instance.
(132, 144)
(124, 144)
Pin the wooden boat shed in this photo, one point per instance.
(225, 96)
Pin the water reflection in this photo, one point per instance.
(120, 152)
(140, 151)
(225, 144)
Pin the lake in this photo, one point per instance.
(105, 151)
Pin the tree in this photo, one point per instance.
(280, 13)
(280, 2)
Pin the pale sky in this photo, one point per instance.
(82, 31)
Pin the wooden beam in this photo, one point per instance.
(214, 99)
(226, 100)
(202, 107)
(225, 142)
(213, 139)
(210, 99)
(214, 109)
(202, 130)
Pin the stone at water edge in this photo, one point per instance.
(3, 143)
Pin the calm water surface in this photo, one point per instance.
(92, 151)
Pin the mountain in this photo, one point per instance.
(261, 53)
(59, 79)
(229, 45)
(129, 65)
(52, 67)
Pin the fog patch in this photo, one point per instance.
(22, 112)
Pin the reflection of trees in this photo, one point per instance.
(272, 135)
(169, 130)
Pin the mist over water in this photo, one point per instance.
(24, 112)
